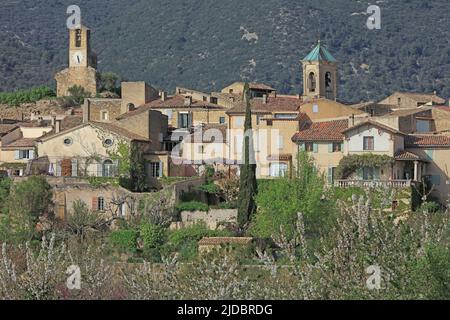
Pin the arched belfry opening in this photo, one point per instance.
(312, 82)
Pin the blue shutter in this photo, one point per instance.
(58, 169)
(99, 170)
(330, 175)
(74, 168)
(315, 148)
(161, 168)
(302, 147)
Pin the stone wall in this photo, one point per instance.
(213, 219)
(85, 77)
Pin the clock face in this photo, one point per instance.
(78, 58)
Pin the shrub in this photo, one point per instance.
(227, 205)
(124, 240)
(26, 96)
(152, 235)
(192, 206)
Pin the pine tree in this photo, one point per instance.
(248, 185)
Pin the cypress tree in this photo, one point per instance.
(248, 185)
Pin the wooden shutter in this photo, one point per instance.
(94, 204)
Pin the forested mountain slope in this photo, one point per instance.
(208, 44)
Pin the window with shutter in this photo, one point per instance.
(161, 168)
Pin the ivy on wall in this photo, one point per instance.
(350, 164)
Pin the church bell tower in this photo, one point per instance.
(319, 74)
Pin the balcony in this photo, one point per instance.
(373, 183)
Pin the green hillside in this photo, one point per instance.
(208, 44)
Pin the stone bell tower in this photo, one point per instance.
(319, 74)
(82, 64)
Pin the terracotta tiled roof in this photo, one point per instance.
(274, 104)
(224, 240)
(260, 86)
(375, 124)
(6, 128)
(178, 102)
(423, 97)
(406, 155)
(67, 123)
(322, 131)
(427, 141)
(209, 138)
(119, 131)
(20, 143)
(445, 108)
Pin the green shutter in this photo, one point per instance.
(330, 175)
(302, 147)
(315, 147)
(330, 148)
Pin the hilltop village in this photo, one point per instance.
(397, 142)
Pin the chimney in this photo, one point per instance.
(264, 99)
(57, 126)
(351, 121)
(163, 95)
(86, 110)
(187, 101)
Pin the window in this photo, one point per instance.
(205, 98)
(278, 169)
(183, 120)
(155, 169)
(105, 116)
(169, 114)
(230, 91)
(309, 147)
(280, 143)
(336, 147)
(315, 108)
(101, 204)
(423, 126)
(368, 144)
(331, 174)
(258, 119)
(201, 149)
(108, 142)
(130, 107)
(368, 173)
(213, 100)
(239, 122)
(222, 120)
(24, 154)
(68, 141)
(78, 38)
(108, 168)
